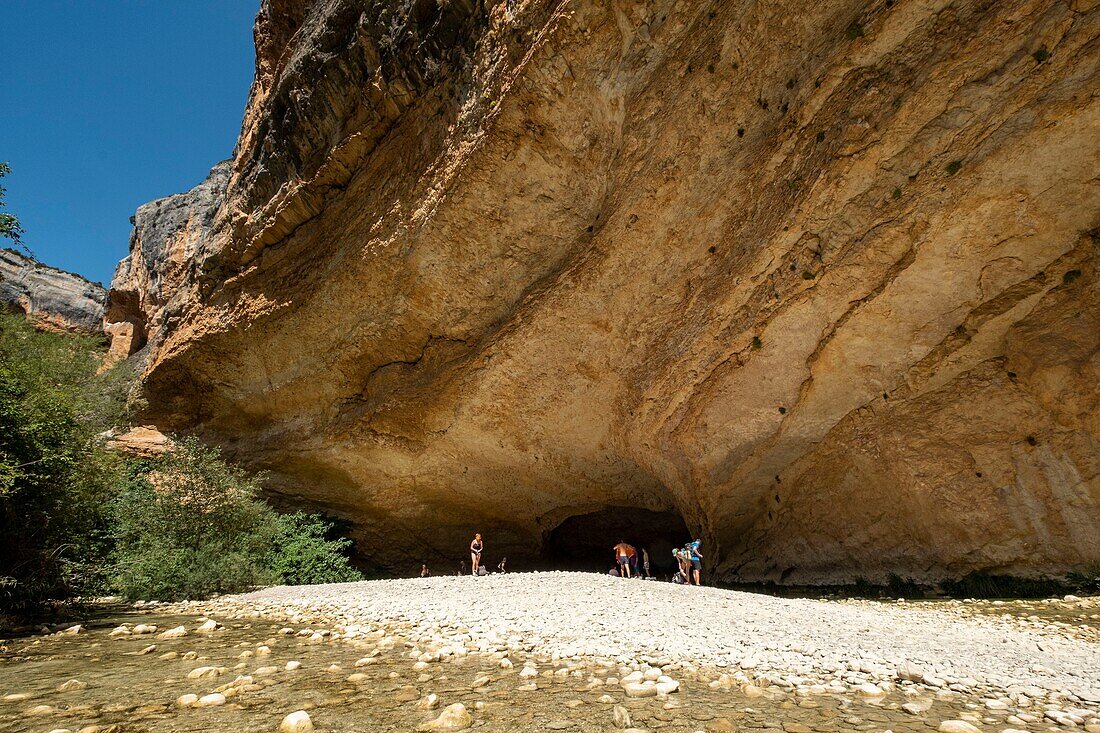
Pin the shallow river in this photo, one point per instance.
(122, 685)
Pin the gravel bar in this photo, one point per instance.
(793, 640)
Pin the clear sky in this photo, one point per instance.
(107, 104)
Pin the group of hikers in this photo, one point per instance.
(689, 562)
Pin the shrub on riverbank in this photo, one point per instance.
(77, 519)
(190, 525)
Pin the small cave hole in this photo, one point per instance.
(1032, 441)
(584, 541)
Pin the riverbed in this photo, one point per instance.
(558, 651)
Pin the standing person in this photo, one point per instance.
(500, 568)
(695, 550)
(424, 572)
(624, 555)
(475, 552)
(645, 563)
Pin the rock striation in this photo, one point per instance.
(818, 282)
(53, 299)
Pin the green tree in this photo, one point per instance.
(9, 223)
(55, 476)
(191, 525)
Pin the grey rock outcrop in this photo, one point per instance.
(168, 242)
(53, 299)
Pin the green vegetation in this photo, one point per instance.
(188, 526)
(191, 525)
(302, 552)
(78, 519)
(853, 31)
(55, 478)
(1040, 54)
(1071, 276)
(9, 224)
(896, 194)
(756, 343)
(987, 585)
(1086, 582)
(953, 167)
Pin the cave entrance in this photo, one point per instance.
(584, 541)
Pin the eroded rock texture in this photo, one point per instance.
(53, 299)
(820, 279)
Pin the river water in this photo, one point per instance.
(122, 685)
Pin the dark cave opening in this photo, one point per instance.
(584, 541)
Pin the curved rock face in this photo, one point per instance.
(53, 299)
(819, 281)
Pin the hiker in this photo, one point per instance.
(645, 563)
(681, 576)
(696, 558)
(625, 556)
(475, 553)
(424, 572)
(500, 568)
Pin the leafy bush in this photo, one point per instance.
(986, 585)
(55, 476)
(190, 525)
(1086, 582)
(9, 223)
(302, 554)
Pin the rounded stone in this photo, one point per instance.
(296, 722)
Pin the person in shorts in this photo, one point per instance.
(696, 556)
(625, 556)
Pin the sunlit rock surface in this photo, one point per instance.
(819, 281)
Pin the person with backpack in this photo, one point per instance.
(695, 556)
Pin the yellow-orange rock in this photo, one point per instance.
(820, 278)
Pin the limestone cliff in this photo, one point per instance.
(53, 299)
(820, 279)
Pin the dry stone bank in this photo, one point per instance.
(862, 646)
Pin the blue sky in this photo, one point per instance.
(107, 104)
